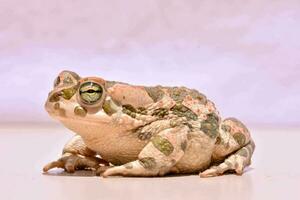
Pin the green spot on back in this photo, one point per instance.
(160, 112)
(237, 122)
(243, 152)
(210, 126)
(226, 128)
(239, 138)
(179, 93)
(129, 110)
(155, 93)
(147, 162)
(163, 145)
(183, 111)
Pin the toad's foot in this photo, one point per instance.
(100, 170)
(235, 162)
(71, 162)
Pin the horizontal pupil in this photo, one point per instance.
(92, 91)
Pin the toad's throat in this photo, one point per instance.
(109, 141)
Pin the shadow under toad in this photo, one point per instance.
(89, 173)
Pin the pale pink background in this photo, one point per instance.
(244, 55)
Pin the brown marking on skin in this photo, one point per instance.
(62, 112)
(183, 145)
(109, 107)
(148, 162)
(73, 74)
(218, 140)
(128, 165)
(226, 128)
(80, 111)
(142, 110)
(156, 93)
(243, 152)
(160, 112)
(56, 106)
(173, 161)
(129, 107)
(180, 93)
(239, 138)
(189, 136)
(238, 123)
(57, 81)
(183, 111)
(210, 126)
(129, 110)
(68, 80)
(177, 93)
(54, 97)
(69, 92)
(144, 135)
(173, 123)
(211, 106)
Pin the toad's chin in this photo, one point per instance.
(92, 119)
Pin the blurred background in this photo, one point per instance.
(244, 55)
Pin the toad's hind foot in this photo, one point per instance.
(235, 162)
(71, 162)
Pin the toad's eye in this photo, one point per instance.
(56, 81)
(90, 92)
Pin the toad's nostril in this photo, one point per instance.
(56, 106)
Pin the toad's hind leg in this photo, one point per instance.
(234, 149)
(158, 156)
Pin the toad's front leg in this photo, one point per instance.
(158, 156)
(76, 155)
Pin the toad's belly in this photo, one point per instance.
(118, 146)
(119, 149)
(113, 143)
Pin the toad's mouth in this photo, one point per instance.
(62, 115)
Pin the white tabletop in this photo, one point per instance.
(26, 148)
